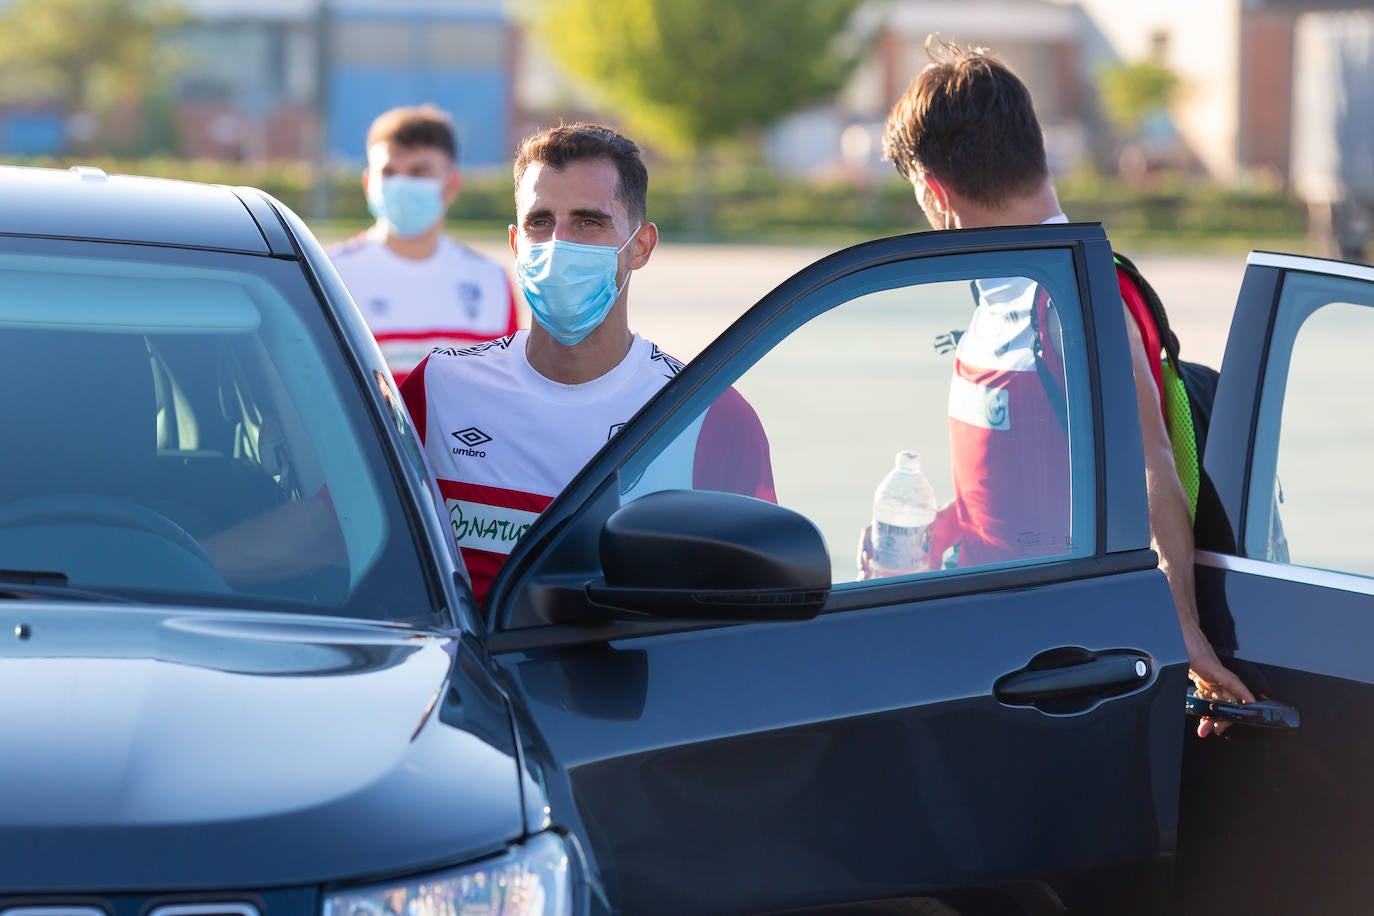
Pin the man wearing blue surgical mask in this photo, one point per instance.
(506, 424)
(417, 288)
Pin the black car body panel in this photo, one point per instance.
(872, 748)
(1276, 821)
(89, 204)
(228, 750)
(885, 786)
(271, 224)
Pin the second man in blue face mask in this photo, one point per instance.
(508, 423)
(418, 288)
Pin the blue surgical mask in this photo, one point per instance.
(570, 287)
(406, 203)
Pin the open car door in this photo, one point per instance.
(739, 725)
(1279, 818)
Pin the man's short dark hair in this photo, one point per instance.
(415, 125)
(555, 147)
(970, 122)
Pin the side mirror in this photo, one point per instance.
(704, 555)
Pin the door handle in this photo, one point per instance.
(1265, 713)
(1071, 678)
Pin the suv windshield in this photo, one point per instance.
(183, 427)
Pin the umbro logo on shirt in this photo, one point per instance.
(471, 438)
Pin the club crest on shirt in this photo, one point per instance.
(997, 413)
(470, 298)
(978, 406)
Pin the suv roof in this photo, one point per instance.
(86, 203)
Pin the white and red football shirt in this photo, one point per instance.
(454, 298)
(503, 440)
(1009, 450)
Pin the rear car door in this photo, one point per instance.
(1002, 734)
(1280, 820)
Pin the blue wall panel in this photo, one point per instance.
(28, 134)
(477, 100)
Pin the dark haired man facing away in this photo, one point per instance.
(965, 134)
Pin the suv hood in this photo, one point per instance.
(148, 749)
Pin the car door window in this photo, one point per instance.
(975, 362)
(1311, 492)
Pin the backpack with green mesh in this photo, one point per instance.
(1187, 389)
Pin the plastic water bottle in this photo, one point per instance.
(903, 508)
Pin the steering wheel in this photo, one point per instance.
(83, 508)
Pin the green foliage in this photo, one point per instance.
(690, 72)
(1131, 92)
(759, 205)
(1182, 211)
(80, 54)
(158, 136)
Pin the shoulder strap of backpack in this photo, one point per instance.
(1175, 398)
(1054, 391)
(1167, 339)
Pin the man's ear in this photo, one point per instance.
(643, 244)
(938, 190)
(510, 231)
(366, 173)
(452, 185)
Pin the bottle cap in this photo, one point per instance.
(908, 461)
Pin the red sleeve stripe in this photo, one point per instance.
(413, 393)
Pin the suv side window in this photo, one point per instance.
(1311, 492)
(937, 356)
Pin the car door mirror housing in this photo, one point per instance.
(704, 555)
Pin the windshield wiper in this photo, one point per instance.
(19, 584)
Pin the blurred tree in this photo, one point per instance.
(1132, 92)
(85, 56)
(687, 74)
